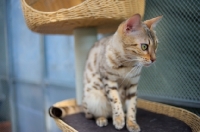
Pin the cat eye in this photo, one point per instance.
(144, 47)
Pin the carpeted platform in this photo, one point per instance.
(148, 121)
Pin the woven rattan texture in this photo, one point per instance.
(175, 75)
(104, 14)
(189, 118)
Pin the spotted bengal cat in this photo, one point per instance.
(113, 70)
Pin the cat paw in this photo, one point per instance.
(118, 121)
(132, 126)
(101, 121)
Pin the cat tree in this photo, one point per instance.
(84, 19)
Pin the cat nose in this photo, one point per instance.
(153, 60)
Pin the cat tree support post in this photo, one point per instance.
(84, 39)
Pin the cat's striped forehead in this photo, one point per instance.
(151, 36)
(143, 35)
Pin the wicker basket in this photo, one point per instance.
(192, 120)
(62, 16)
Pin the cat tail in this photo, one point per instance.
(60, 112)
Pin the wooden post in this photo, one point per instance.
(84, 40)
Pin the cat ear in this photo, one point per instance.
(151, 24)
(133, 23)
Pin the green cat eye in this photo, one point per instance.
(144, 47)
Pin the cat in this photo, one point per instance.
(113, 69)
(112, 73)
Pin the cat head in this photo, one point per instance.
(139, 40)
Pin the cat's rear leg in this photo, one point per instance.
(88, 115)
(101, 121)
(98, 106)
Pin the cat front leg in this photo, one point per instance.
(114, 99)
(131, 97)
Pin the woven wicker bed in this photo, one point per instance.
(62, 16)
(192, 120)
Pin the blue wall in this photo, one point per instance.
(41, 72)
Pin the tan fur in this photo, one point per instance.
(132, 126)
(113, 71)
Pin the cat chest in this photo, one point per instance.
(124, 75)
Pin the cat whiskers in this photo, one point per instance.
(133, 69)
(131, 60)
(125, 60)
(137, 70)
(126, 76)
(154, 64)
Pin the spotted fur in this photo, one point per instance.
(113, 71)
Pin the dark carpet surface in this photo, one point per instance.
(148, 122)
